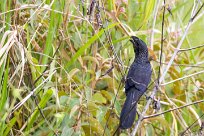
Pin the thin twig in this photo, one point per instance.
(162, 42)
(34, 89)
(108, 35)
(112, 108)
(158, 114)
(178, 79)
(183, 133)
(183, 65)
(157, 83)
(181, 50)
(164, 73)
(144, 110)
(119, 62)
(179, 45)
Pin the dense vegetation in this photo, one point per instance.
(63, 65)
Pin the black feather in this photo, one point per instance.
(138, 78)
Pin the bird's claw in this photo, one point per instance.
(147, 97)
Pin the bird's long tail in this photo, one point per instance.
(128, 112)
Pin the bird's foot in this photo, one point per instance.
(140, 115)
(147, 97)
(156, 104)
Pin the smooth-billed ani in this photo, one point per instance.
(137, 80)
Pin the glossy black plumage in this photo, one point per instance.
(138, 78)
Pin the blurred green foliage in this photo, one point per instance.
(62, 59)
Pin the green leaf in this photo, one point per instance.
(92, 127)
(4, 92)
(148, 9)
(10, 125)
(99, 98)
(54, 20)
(41, 105)
(88, 44)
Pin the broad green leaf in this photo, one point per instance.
(92, 126)
(97, 97)
(88, 44)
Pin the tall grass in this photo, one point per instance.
(62, 68)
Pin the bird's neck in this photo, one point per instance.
(141, 58)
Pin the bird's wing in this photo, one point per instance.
(138, 77)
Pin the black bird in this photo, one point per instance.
(137, 80)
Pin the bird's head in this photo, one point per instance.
(140, 48)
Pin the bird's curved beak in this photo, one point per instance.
(134, 39)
